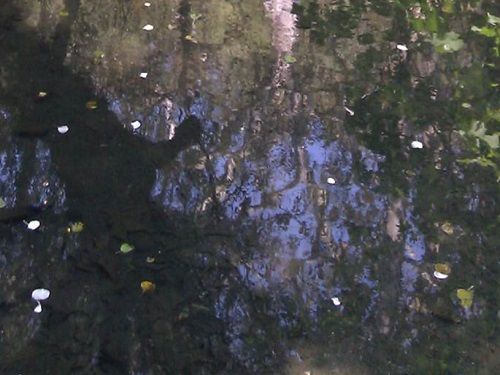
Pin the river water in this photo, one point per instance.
(307, 187)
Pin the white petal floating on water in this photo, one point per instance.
(143, 75)
(402, 47)
(40, 294)
(135, 124)
(33, 225)
(350, 111)
(440, 276)
(62, 129)
(417, 144)
(336, 301)
(331, 180)
(148, 27)
(38, 308)
(146, 4)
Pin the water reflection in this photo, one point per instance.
(298, 235)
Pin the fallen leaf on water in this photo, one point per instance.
(2, 203)
(76, 227)
(126, 248)
(442, 270)
(447, 228)
(91, 104)
(465, 296)
(147, 286)
(190, 38)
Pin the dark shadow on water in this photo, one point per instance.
(107, 173)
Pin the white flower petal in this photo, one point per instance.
(417, 144)
(62, 129)
(135, 124)
(336, 301)
(40, 294)
(439, 275)
(33, 225)
(38, 308)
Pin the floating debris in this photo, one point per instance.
(466, 297)
(126, 248)
(147, 286)
(447, 228)
(336, 301)
(76, 227)
(63, 129)
(143, 75)
(150, 259)
(42, 94)
(191, 39)
(331, 181)
(39, 295)
(402, 47)
(417, 144)
(148, 27)
(91, 104)
(350, 111)
(33, 225)
(135, 124)
(147, 4)
(442, 271)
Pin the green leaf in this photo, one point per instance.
(449, 43)
(126, 248)
(465, 296)
(289, 59)
(2, 203)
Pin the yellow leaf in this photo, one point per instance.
(147, 286)
(76, 227)
(465, 296)
(91, 104)
(190, 38)
(447, 228)
(443, 268)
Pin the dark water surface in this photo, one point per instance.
(313, 187)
